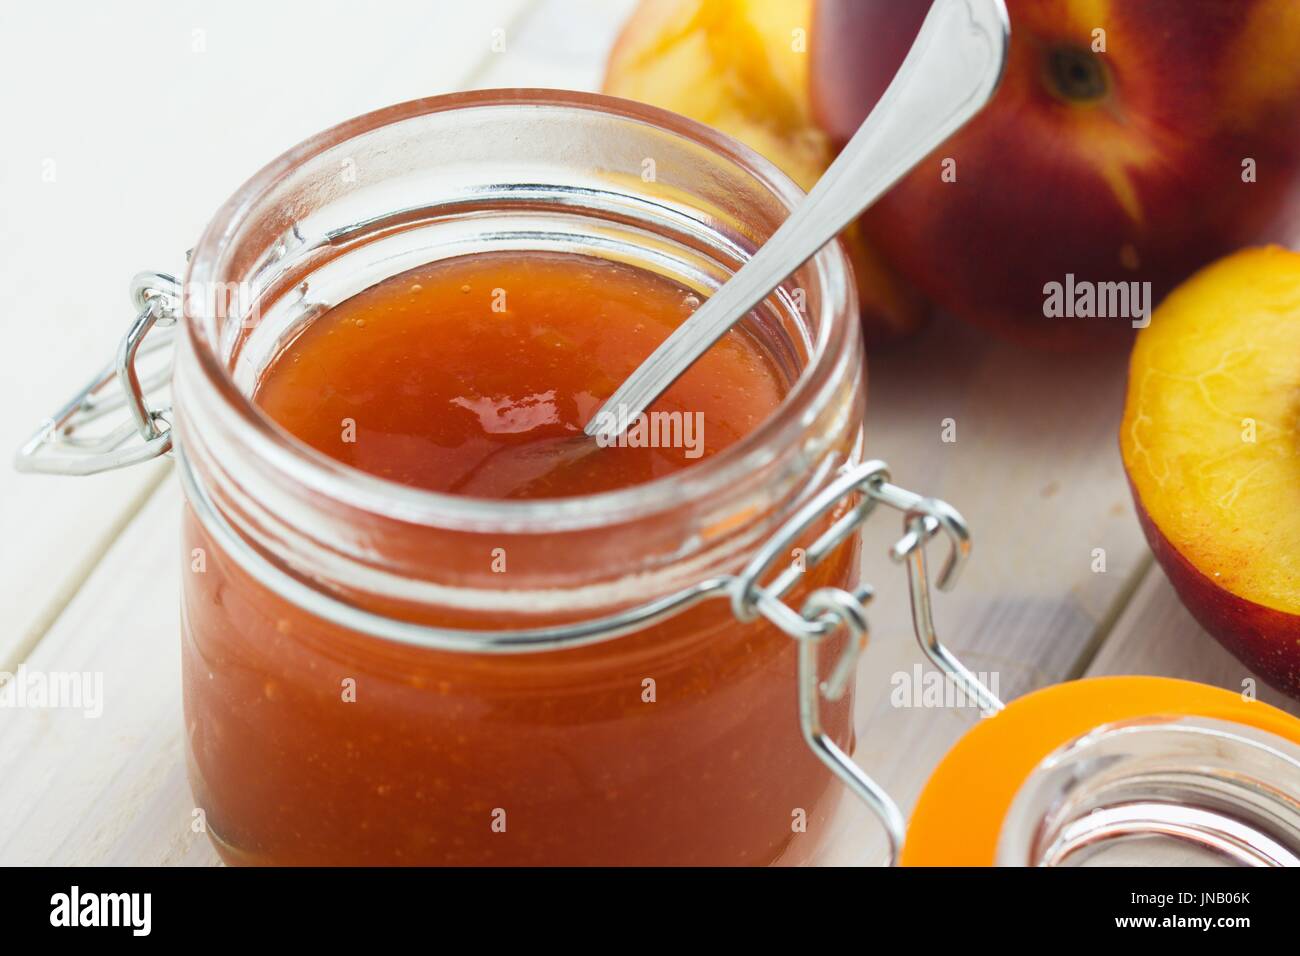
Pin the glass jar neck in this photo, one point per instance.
(484, 172)
(1185, 791)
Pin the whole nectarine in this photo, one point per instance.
(1130, 141)
(1211, 445)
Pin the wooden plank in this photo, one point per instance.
(561, 44)
(1157, 635)
(121, 162)
(109, 789)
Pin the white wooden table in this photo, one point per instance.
(125, 140)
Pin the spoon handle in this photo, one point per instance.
(950, 72)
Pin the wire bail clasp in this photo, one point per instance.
(826, 610)
(64, 445)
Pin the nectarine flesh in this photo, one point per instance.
(1210, 444)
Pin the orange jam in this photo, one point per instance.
(476, 376)
(675, 744)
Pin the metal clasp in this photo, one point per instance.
(65, 444)
(826, 610)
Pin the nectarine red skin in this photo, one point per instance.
(1125, 165)
(1257, 636)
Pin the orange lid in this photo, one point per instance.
(959, 816)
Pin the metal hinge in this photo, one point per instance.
(81, 438)
(826, 610)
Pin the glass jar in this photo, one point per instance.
(377, 674)
(312, 742)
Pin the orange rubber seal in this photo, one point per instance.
(959, 816)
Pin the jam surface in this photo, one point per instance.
(476, 376)
(677, 744)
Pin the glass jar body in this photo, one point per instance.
(315, 742)
(677, 745)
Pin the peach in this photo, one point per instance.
(1210, 444)
(1130, 141)
(741, 66)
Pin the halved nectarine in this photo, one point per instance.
(1211, 448)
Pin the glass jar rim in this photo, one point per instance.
(810, 392)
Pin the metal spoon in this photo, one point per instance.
(949, 74)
